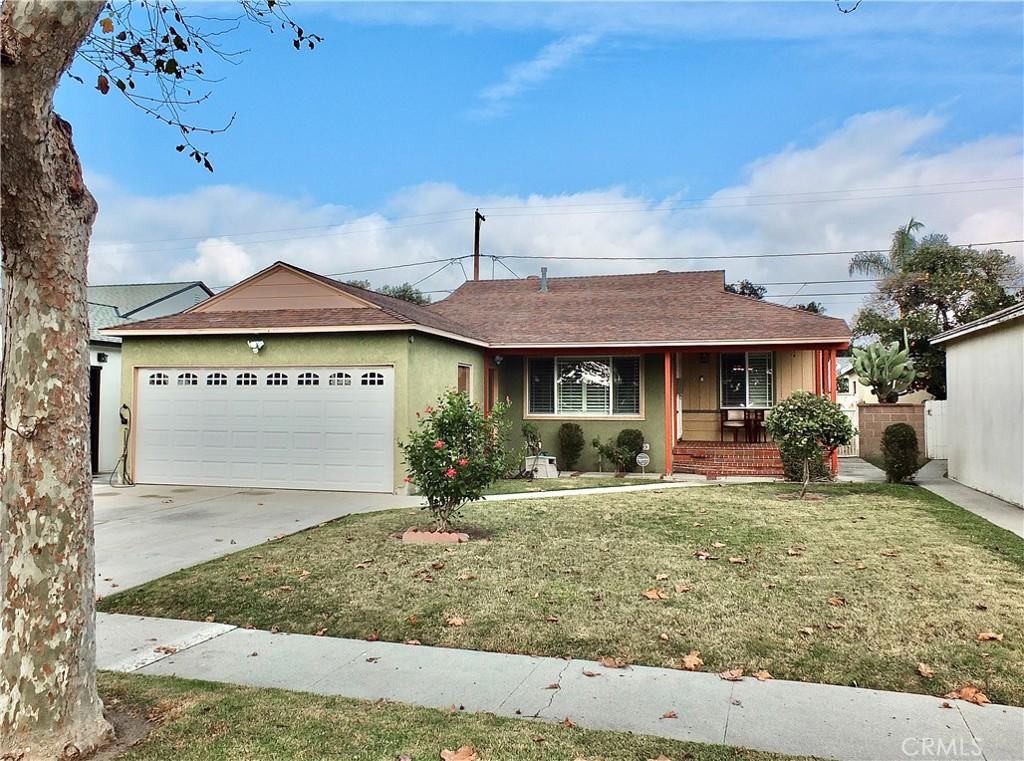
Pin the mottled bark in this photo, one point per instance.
(49, 707)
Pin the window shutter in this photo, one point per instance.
(541, 386)
(570, 386)
(759, 379)
(626, 385)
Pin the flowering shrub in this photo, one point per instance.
(805, 425)
(454, 453)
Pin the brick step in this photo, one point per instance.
(719, 458)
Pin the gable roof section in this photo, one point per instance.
(128, 298)
(231, 311)
(666, 308)
(1012, 312)
(101, 316)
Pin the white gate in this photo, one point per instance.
(853, 448)
(935, 441)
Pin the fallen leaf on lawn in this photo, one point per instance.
(702, 555)
(403, 757)
(692, 661)
(413, 642)
(456, 621)
(662, 757)
(762, 675)
(567, 723)
(888, 553)
(587, 672)
(732, 675)
(837, 602)
(210, 618)
(738, 561)
(946, 705)
(466, 577)
(834, 625)
(465, 753)
(364, 564)
(437, 566)
(971, 694)
(663, 636)
(670, 715)
(661, 577)
(980, 606)
(718, 545)
(274, 629)
(320, 632)
(808, 630)
(243, 577)
(860, 567)
(925, 670)
(611, 663)
(794, 551)
(682, 588)
(553, 686)
(654, 594)
(372, 637)
(989, 637)
(697, 524)
(551, 619)
(538, 738)
(303, 573)
(284, 588)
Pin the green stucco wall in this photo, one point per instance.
(424, 366)
(511, 384)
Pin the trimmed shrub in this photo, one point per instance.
(454, 453)
(805, 426)
(622, 450)
(570, 445)
(900, 452)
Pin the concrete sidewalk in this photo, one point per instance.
(785, 717)
(932, 477)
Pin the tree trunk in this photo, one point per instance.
(49, 707)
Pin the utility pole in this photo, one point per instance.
(477, 219)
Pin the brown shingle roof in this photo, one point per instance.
(265, 318)
(683, 307)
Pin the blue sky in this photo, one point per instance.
(419, 109)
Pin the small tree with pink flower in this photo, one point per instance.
(456, 452)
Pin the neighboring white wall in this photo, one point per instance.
(985, 383)
(110, 403)
(173, 305)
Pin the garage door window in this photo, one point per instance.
(372, 379)
(188, 379)
(277, 379)
(309, 379)
(158, 379)
(216, 379)
(246, 379)
(340, 379)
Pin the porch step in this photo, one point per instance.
(719, 458)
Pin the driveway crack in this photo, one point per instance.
(558, 681)
(521, 683)
(728, 712)
(973, 736)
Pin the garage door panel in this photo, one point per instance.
(313, 436)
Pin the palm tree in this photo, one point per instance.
(876, 263)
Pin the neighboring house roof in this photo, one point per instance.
(129, 298)
(1014, 312)
(672, 308)
(843, 365)
(103, 316)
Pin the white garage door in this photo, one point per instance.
(282, 427)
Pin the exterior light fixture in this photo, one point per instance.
(255, 345)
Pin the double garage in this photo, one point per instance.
(276, 427)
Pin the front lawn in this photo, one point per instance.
(858, 588)
(522, 486)
(199, 720)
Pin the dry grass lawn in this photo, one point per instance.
(859, 588)
(193, 721)
(522, 486)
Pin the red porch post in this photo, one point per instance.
(669, 414)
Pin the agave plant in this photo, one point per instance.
(886, 368)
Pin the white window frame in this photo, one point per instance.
(609, 415)
(746, 381)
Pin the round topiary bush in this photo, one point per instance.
(900, 451)
(805, 427)
(570, 445)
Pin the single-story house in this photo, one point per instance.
(113, 305)
(985, 403)
(292, 379)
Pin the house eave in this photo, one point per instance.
(1009, 314)
(831, 342)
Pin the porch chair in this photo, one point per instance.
(735, 421)
(755, 426)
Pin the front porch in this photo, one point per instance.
(715, 459)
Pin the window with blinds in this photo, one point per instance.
(574, 386)
(747, 379)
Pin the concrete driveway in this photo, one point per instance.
(144, 532)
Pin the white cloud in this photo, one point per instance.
(529, 74)
(881, 150)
